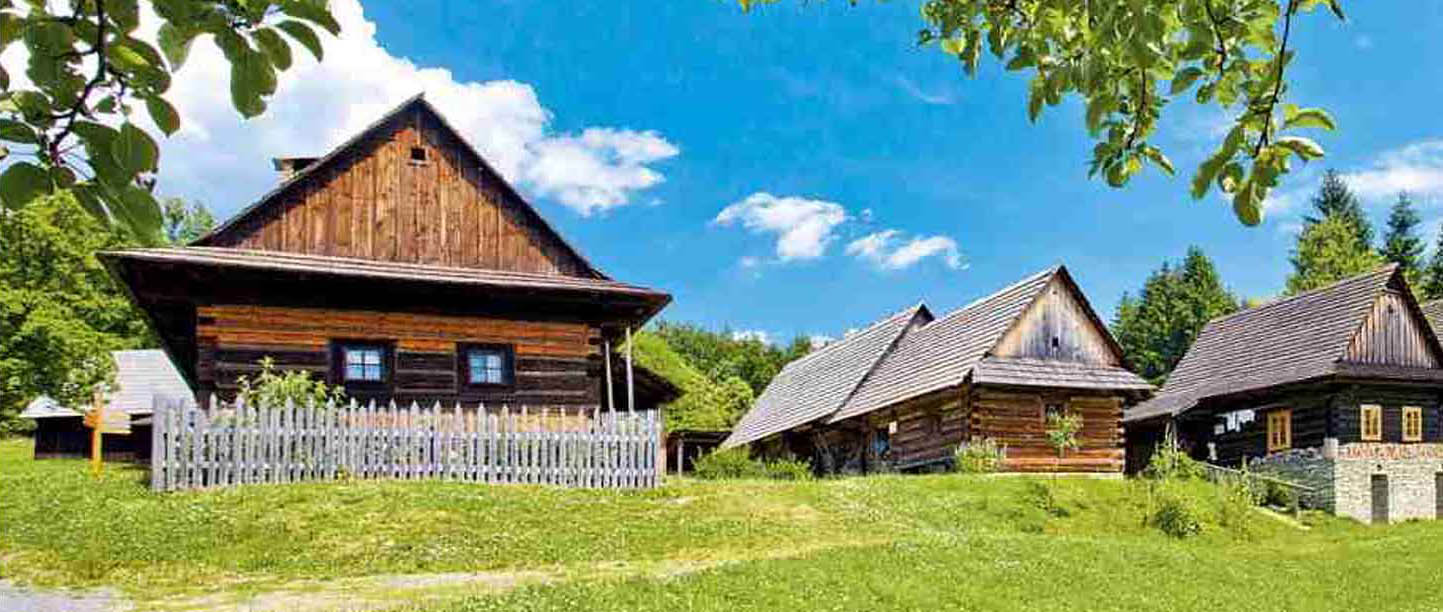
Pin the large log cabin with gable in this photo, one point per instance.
(1337, 389)
(903, 393)
(402, 267)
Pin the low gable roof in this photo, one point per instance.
(140, 376)
(1291, 340)
(818, 384)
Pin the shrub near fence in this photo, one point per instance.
(239, 444)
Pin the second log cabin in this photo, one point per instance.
(903, 393)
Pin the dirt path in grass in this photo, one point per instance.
(391, 591)
(17, 598)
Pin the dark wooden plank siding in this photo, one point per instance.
(556, 363)
(379, 203)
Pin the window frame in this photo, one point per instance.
(1062, 409)
(1370, 414)
(463, 365)
(1416, 412)
(1280, 430)
(339, 347)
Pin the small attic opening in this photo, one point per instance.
(418, 155)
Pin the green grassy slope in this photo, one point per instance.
(891, 542)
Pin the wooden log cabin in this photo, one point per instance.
(903, 393)
(1336, 389)
(401, 266)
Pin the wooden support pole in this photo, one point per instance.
(630, 390)
(606, 354)
(97, 449)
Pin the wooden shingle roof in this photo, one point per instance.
(1433, 311)
(818, 384)
(1291, 340)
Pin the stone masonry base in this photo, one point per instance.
(1342, 477)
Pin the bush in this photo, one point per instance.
(1038, 495)
(737, 463)
(980, 456)
(1235, 507)
(1171, 463)
(1275, 494)
(1176, 515)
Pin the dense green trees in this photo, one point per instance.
(60, 313)
(1156, 327)
(720, 354)
(1401, 244)
(1335, 199)
(1430, 283)
(183, 222)
(1327, 252)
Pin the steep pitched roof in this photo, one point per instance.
(1290, 340)
(818, 384)
(945, 352)
(1433, 311)
(319, 167)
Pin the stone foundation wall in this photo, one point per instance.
(1411, 469)
(1305, 466)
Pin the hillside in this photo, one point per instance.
(881, 542)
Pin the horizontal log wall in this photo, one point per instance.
(376, 202)
(926, 431)
(555, 363)
(1015, 418)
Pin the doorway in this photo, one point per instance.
(1380, 498)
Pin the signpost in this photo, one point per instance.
(102, 421)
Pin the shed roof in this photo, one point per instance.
(1291, 340)
(818, 384)
(140, 376)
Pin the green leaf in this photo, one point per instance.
(175, 43)
(137, 209)
(127, 59)
(1337, 9)
(1246, 206)
(304, 35)
(1206, 172)
(1308, 117)
(275, 48)
(1036, 95)
(246, 87)
(133, 150)
(1184, 79)
(163, 114)
(21, 183)
(313, 13)
(1304, 148)
(15, 131)
(1156, 156)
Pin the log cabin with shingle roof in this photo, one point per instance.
(904, 392)
(1337, 388)
(402, 267)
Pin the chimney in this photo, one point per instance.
(289, 166)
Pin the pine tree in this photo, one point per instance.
(1334, 199)
(1430, 285)
(1327, 252)
(1177, 300)
(1401, 245)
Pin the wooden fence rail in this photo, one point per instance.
(225, 445)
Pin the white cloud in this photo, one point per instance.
(752, 334)
(803, 227)
(817, 341)
(886, 250)
(1416, 168)
(222, 159)
(916, 92)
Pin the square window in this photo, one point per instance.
(418, 154)
(363, 363)
(485, 365)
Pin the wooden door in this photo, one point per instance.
(1380, 498)
(1438, 495)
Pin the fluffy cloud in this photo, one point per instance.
(803, 227)
(1416, 168)
(222, 159)
(887, 250)
(752, 334)
(817, 341)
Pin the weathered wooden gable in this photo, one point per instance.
(1059, 325)
(408, 189)
(1394, 332)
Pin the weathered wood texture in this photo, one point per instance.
(1320, 413)
(230, 445)
(377, 202)
(556, 363)
(927, 431)
(1015, 418)
(1391, 336)
(1057, 326)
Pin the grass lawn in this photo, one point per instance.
(885, 542)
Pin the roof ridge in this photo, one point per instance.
(979, 301)
(911, 311)
(1390, 267)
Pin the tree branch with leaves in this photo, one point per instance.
(73, 127)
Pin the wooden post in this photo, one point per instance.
(630, 391)
(606, 354)
(97, 462)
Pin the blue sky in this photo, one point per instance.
(634, 125)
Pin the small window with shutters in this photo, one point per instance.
(1370, 422)
(1280, 430)
(1412, 424)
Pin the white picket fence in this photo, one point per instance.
(225, 445)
